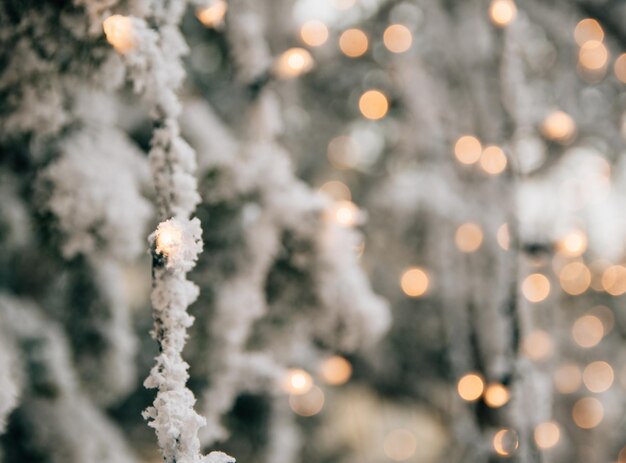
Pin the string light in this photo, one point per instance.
(314, 33)
(573, 244)
(575, 278)
(345, 213)
(118, 31)
(309, 403)
(293, 63)
(598, 376)
(503, 236)
(343, 152)
(502, 12)
(558, 126)
(397, 38)
(297, 382)
(493, 160)
(620, 68)
(593, 55)
(468, 149)
(470, 387)
(547, 434)
(588, 331)
(588, 413)
(586, 30)
(414, 282)
(353, 43)
(505, 442)
(400, 444)
(567, 378)
(212, 16)
(336, 370)
(614, 280)
(537, 345)
(496, 395)
(536, 287)
(373, 104)
(468, 237)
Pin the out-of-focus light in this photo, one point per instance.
(309, 403)
(293, 63)
(414, 282)
(620, 68)
(537, 345)
(343, 5)
(588, 412)
(547, 434)
(586, 30)
(558, 126)
(614, 280)
(588, 331)
(337, 190)
(336, 370)
(345, 213)
(373, 104)
(397, 38)
(502, 12)
(468, 237)
(314, 33)
(505, 442)
(567, 378)
(496, 395)
(353, 43)
(605, 315)
(493, 160)
(168, 238)
(573, 244)
(536, 287)
(343, 152)
(503, 236)
(118, 31)
(470, 387)
(593, 55)
(212, 15)
(400, 444)
(598, 376)
(575, 278)
(468, 149)
(297, 381)
(621, 457)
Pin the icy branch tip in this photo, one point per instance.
(177, 242)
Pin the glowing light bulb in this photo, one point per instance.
(345, 213)
(118, 31)
(502, 12)
(505, 442)
(537, 345)
(470, 387)
(336, 370)
(558, 126)
(536, 287)
(468, 149)
(588, 331)
(414, 282)
(598, 376)
(575, 278)
(309, 403)
(593, 55)
(353, 43)
(567, 378)
(212, 15)
(620, 68)
(397, 38)
(547, 434)
(168, 238)
(493, 160)
(573, 244)
(314, 33)
(297, 382)
(293, 63)
(468, 237)
(586, 30)
(588, 413)
(496, 395)
(373, 104)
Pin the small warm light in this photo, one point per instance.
(573, 244)
(496, 395)
(314, 33)
(536, 287)
(605, 315)
(400, 444)
(297, 382)
(575, 278)
(505, 442)
(470, 387)
(586, 30)
(397, 38)
(593, 55)
(168, 238)
(468, 149)
(588, 413)
(502, 12)
(414, 282)
(620, 68)
(567, 378)
(345, 213)
(558, 126)
(213, 15)
(373, 104)
(343, 4)
(343, 152)
(337, 190)
(614, 280)
(588, 331)
(598, 376)
(468, 237)
(118, 31)
(503, 237)
(353, 42)
(493, 160)
(547, 435)
(309, 403)
(336, 370)
(293, 63)
(537, 345)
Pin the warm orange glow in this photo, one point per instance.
(293, 63)
(337, 190)
(558, 126)
(168, 238)
(503, 237)
(586, 30)
(297, 382)
(502, 12)
(567, 378)
(400, 444)
(614, 280)
(468, 149)
(605, 315)
(620, 68)
(573, 244)
(468, 237)
(397, 38)
(598, 376)
(414, 282)
(536, 287)
(547, 434)
(588, 331)
(373, 104)
(118, 31)
(537, 345)
(575, 278)
(343, 152)
(213, 15)
(588, 413)
(493, 160)
(314, 33)
(593, 55)
(336, 370)
(621, 457)
(470, 387)
(505, 442)
(345, 213)
(309, 403)
(496, 395)
(353, 43)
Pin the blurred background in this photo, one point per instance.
(414, 229)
